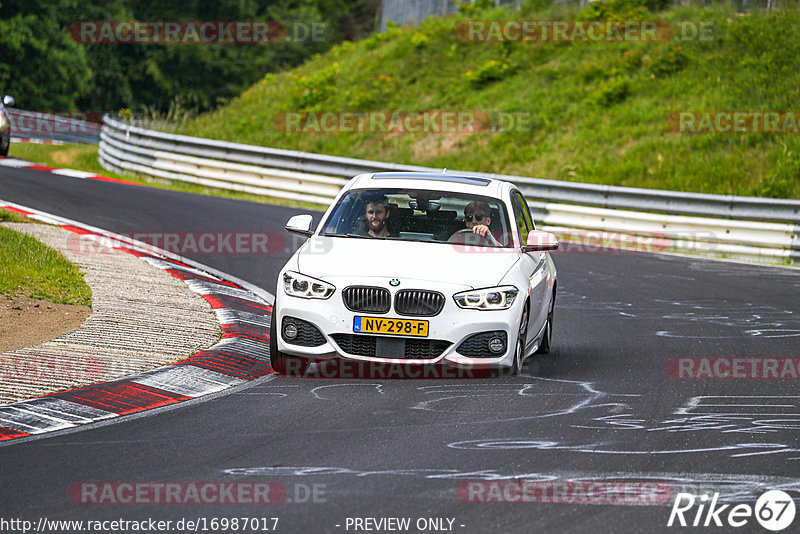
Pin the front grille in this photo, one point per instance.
(366, 299)
(477, 345)
(410, 348)
(418, 302)
(307, 333)
(424, 349)
(357, 345)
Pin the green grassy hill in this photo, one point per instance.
(598, 110)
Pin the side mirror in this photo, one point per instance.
(539, 241)
(8, 100)
(300, 224)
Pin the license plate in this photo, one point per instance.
(385, 325)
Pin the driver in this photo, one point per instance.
(477, 217)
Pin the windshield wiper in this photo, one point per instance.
(359, 236)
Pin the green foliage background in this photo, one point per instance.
(46, 70)
(598, 110)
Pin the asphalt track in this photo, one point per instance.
(600, 407)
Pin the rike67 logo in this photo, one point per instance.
(774, 510)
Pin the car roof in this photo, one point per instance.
(477, 185)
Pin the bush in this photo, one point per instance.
(376, 91)
(468, 8)
(532, 6)
(611, 92)
(656, 5)
(419, 40)
(631, 60)
(491, 71)
(615, 10)
(311, 90)
(591, 72)
(668, 62)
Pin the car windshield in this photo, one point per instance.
(420, 215)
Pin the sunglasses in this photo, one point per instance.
(478, 217)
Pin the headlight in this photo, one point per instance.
(300, 285)
(491, 298)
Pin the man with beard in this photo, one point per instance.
(376, 216)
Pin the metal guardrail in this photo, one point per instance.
(729, 225)
(67, 128)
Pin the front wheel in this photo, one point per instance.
(519, 349)
(283, 364)
(547, 337)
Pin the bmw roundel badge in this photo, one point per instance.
(394, 282)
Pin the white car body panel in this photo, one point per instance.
(357, 258)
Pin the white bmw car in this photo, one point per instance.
(417, 268)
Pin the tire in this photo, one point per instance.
(283, 364)
(547, 337)
(519, 349)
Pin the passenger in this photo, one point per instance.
(477, 217)
(377, 214)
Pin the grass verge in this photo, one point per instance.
(31, 269)
(10, 216)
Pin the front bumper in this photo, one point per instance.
(453, 325)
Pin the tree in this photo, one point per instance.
(49, 70)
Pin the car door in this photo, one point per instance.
(533, 265)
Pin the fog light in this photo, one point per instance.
(289, 331)
(497, 345)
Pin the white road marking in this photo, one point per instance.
(73, 173)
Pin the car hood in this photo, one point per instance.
(354, 258)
